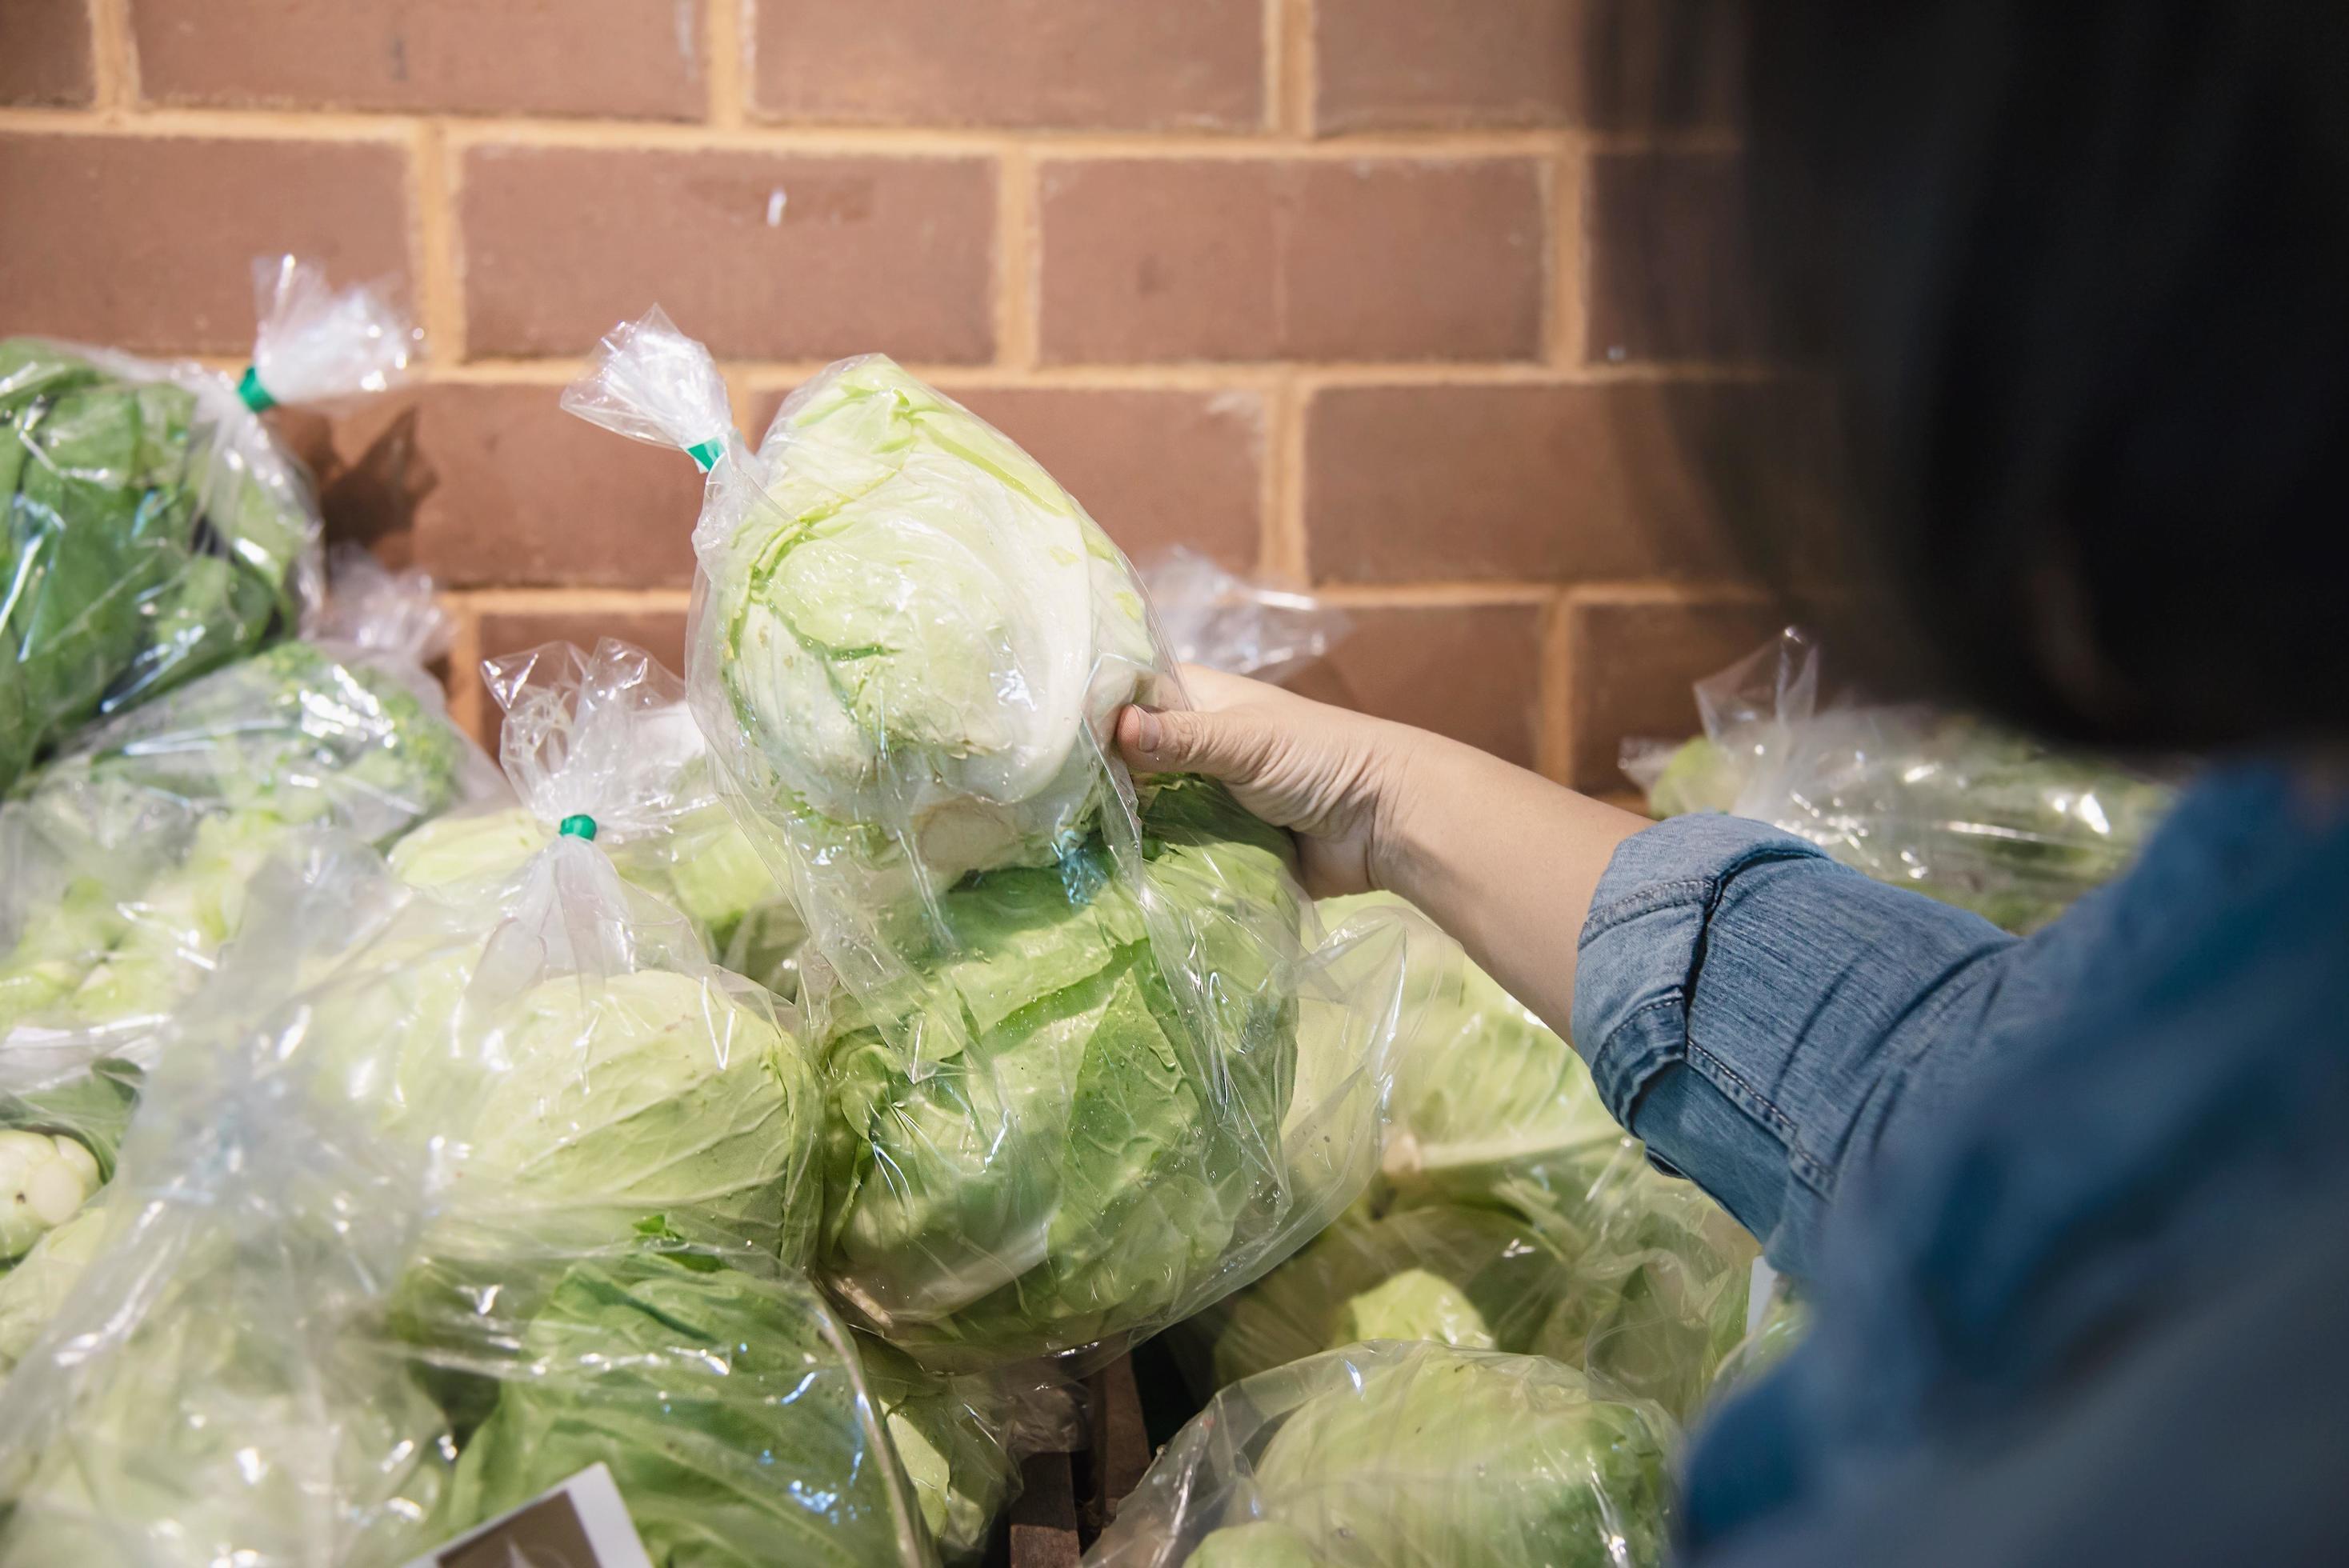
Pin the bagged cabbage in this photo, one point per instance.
(671, 836)
(383, 1268)
(1211, 616)
(154, 529)
(1511, 1212)
(1973, 815)
(1389, 1455)
(126, 867)
(1091, 1061)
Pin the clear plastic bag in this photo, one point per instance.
(617, 712)
(507, 1181)
(1976, 816)
(125, 863)
(1388, 1454)
(154, 529)
(1091, 1061)
(1511, 1214)
(1207, 616)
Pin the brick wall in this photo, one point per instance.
(1341, 289)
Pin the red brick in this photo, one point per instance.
(495, 485)
(624, 57)
(1159, 259)
(1630, 664)
(1668, 268)
(1566, 483)
(44, 54)
(1156, 467)
(152, 239)
(1469, 671)
(1393, 64)
(760, 254)
(1196, 65)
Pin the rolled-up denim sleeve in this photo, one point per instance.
(1761, 1016)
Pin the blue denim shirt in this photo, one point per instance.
(2074, 1209)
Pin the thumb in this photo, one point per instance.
(1231, 747)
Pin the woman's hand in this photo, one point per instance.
(1334, 778)
(1504, 860)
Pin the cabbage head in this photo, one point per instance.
(917, 628)
(1085, 1154)
(727, 1405)
(645, 1095)
(1394, 1456)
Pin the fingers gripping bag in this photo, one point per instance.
(1392, 1455)
(1976, 816)
(1090, 1060)
(358, 1301)
(673, 836)
(154, 529)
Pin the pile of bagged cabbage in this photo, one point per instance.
(734, 1118)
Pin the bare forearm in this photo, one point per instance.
(1504, 860)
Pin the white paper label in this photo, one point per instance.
(582, 1523)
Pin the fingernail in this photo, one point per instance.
(1147, 731)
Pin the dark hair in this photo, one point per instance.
(2078, 276)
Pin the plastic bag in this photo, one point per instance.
(1511, 1214)
(509, 1184)
(1207, 616)
(1973, 815)
(1091, 1061)
(617, 713)
(154, 528)
(1390, 1454)
(124, 865)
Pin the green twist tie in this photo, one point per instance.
(582, 825)
(705, 454)
(256, 396)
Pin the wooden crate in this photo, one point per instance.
(1067, 1500)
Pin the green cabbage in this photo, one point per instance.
(33, 1292)
(129, 859)
(1511, 1211)
(727, 1407)
(952, 1437)
(1395, 1456)
(1083, 1158)
(918, 628)
(137, 551)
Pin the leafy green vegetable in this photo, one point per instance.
(919, 627)
(1084, 1159)
(727, 1407)
(1511, 1211)
(142, 544)
(33, 1292)
(952, 1435)
(1974, 815)
(1404, 1454)
(130, 858)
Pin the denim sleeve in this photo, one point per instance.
(1763, 1018)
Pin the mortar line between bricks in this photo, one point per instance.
(1285, 552)
(1553, 690)
(725, 48)
(1619, 594)
(440, 266)
(1300, 86)
(1569, 258)
(545, 598)
(1019, 257)
(113, 57)
(839, 140)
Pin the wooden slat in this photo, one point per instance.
(1121, 1444)
(1044, 1515)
